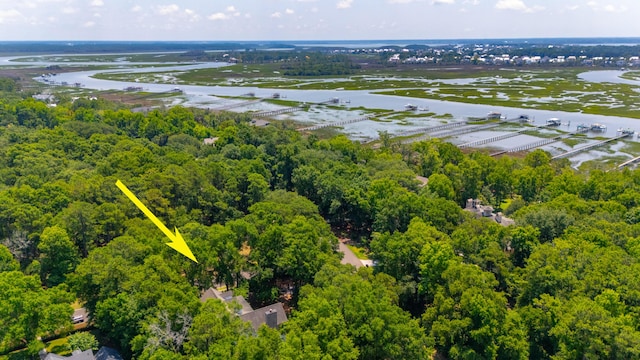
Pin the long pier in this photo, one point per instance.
(278, 112)
(501, 137)
(539, 143)
(431, 129)
(339, 123)
(236, 105)
(589, 147)
(629, 162)
(290, 109)
(472, 127)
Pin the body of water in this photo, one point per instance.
(209, 97)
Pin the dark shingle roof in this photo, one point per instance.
(107, 353)
(257, 317)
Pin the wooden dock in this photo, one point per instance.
(237, 105)
(589, 147)
(278, 112)
(539, 143)
(501, 137)
(471, 124)
(339, 123)
(628, 162)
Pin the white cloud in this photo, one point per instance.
(443, 2)
(218, 16)
(613, 8)
(608, 7)
(167, 9)
(97, 3)
(69, 10)
(9, 15)
(231, 8)
(289, 11)
(471, 2)
(344, 4)
(516, 5)
(400, 1)
(89, 24)
(276, 14)
(511, 5)
(314, 9)
(136, 8)
(573, 7)
(192, 15)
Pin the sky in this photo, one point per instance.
(220, 20)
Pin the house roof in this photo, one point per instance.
(258, 317)
(105, 353)
(208, 294)
(76, 355)
(246, 308)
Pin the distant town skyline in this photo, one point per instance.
(246, 20)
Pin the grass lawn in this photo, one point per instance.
(58, 346)
(359, 252)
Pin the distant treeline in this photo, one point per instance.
(132, 46)
(575, 50)
(321, 65)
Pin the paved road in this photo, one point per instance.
(349, 256)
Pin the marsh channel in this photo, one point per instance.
(351, 104)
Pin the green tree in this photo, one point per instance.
(119, 318)
(523, 241)
(551, 223)
(441, 186)
(467, 316)
(82, 341)
(7, 262)
(58, 255)
(345, 309)
(28, 311)
(215, 331)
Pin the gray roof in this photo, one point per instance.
(246, 312)
(257, 317)
(76, 355)
(246, 308)
(107, 353)
(209, 294)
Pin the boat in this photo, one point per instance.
(626, 131)
(494, 115)
(411, 107)
(554, 122)
(598, 127)
(583, 128)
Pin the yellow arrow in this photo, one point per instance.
(177, 242)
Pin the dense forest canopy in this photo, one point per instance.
(562, 283)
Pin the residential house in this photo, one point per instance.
(273, 315)
(105, 353)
